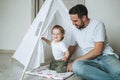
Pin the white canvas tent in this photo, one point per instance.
(32, 50)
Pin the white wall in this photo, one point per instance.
(71, 3)
(15, 18)
(107, 11)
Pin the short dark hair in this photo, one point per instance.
(80, 10)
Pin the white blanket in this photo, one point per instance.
(49, 73)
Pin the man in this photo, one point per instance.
(98, 62)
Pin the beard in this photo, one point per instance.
(80, 26)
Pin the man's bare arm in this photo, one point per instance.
(98, 49)
(71, 50)
(95, 52)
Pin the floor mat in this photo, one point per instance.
(45, 72)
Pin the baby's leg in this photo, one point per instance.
(62, 67)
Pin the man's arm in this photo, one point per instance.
(98, 49)
(95, 52)
(71, 50)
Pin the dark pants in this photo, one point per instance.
(59, 66)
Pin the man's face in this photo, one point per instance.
(77, 21)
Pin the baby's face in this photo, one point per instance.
(57, 35)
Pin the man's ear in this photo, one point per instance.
(84, 18)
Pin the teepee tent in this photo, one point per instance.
(32, 50)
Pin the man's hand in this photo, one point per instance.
(69, 67)
(64, 59)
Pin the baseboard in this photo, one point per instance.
(7, 51)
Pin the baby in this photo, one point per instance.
(59, 50)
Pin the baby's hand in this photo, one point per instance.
(64, 59)
(43, 38)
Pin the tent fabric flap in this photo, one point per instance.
(32, 50)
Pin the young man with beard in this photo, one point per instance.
(98, 61)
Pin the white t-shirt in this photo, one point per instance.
(58, 50)
(86, 37)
